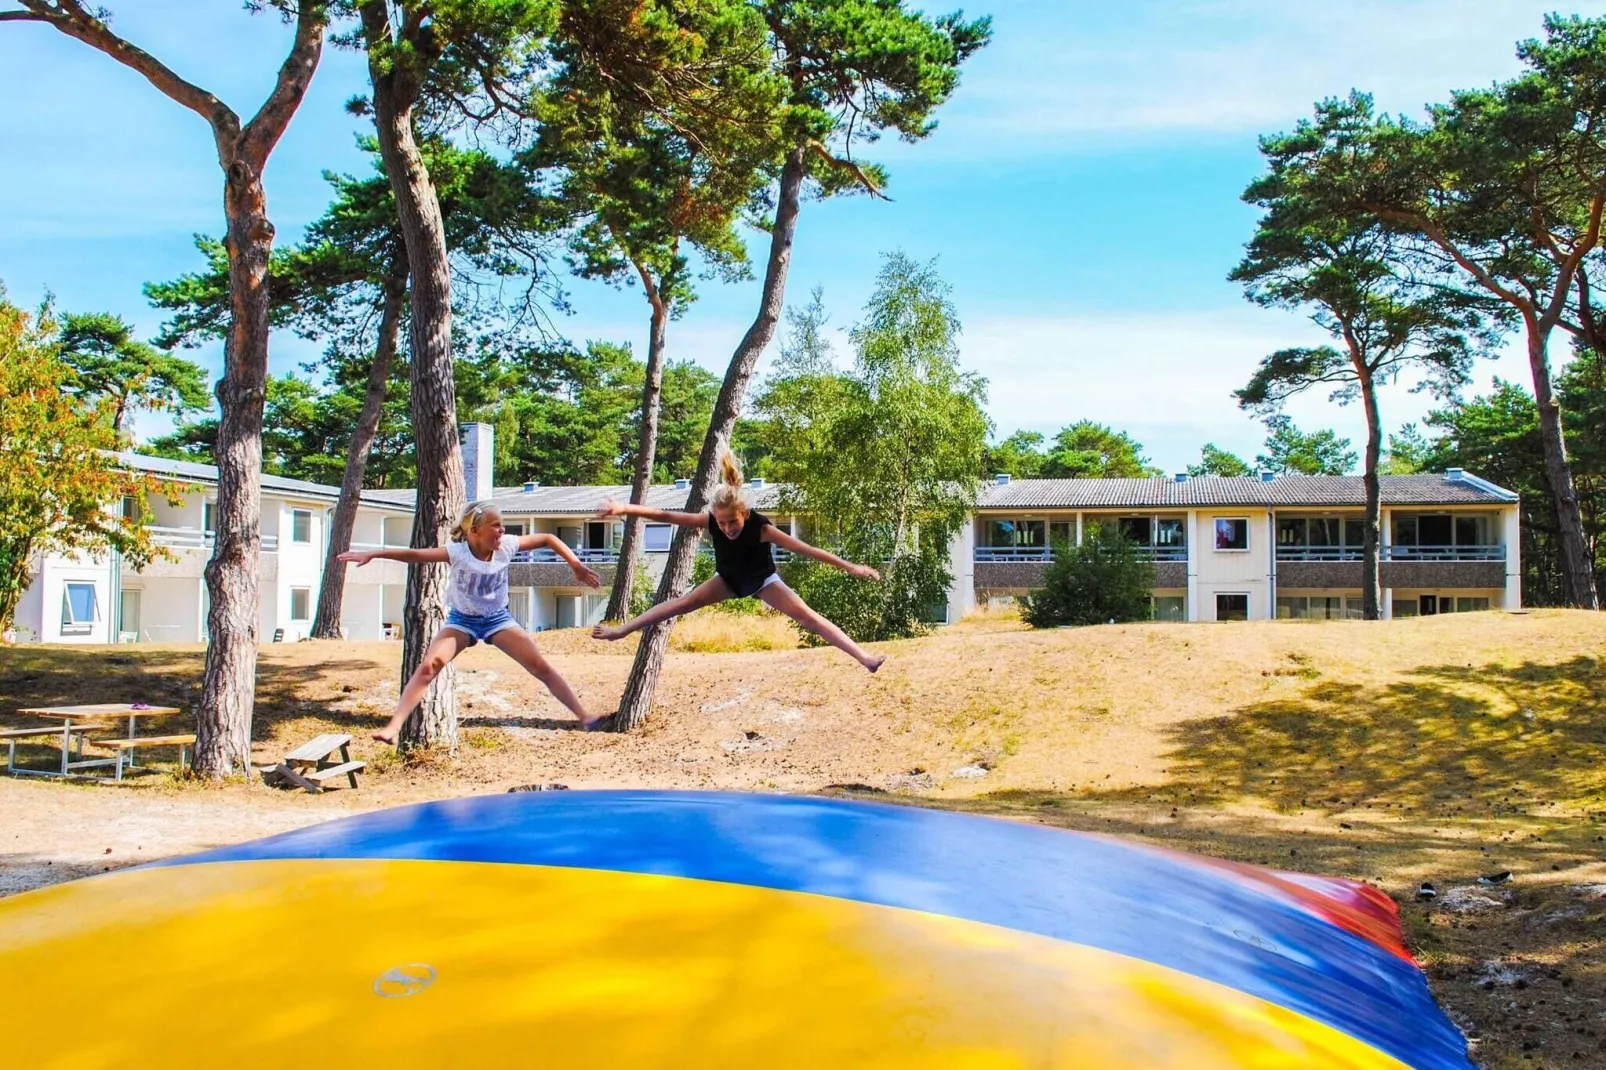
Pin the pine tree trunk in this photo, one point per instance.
(646, 452)
(233, 575)
(1371, 541)
(636, 702)
(441, 491)
(223, 717)
(332, 593)
(1577, 567)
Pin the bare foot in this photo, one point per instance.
(875, 663)
(595, 724)
(604, 632)
(387, 737)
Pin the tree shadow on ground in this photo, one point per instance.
(40, 675)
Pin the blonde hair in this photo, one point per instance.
(472, 518)
(728, 495)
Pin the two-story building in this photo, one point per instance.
(1243, 548)
(1257, 547)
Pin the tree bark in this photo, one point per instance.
(332, 593)
(441, 490)
(1577, 566)
(646, 452)
(223, 718)
(1371, 541)
(636, 702)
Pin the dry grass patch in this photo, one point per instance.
(710, 631)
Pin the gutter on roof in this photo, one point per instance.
(1488, 487)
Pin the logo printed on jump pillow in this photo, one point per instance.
(398, 982)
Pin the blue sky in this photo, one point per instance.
(1081, 192)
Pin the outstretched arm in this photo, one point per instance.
(582, 572)
(792, 543)
(412, 557)
(658, 516)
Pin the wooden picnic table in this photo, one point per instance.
(96, 713)
(313, 763)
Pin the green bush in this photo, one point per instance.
(913, 588)
(1104, 579)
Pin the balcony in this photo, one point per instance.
(1045, 554)
(196, 539)
(1393, 553)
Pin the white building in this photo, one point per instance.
(82, 599)
(1244, 548)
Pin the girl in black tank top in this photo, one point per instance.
(744, 565)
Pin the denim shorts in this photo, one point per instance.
(480, 629)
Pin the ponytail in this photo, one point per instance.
(728, 495)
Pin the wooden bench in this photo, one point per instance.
(11, 735)
(311, 764)
(125, 748)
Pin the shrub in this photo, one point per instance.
(1104, 579)
(909, 599)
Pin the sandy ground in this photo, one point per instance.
(1439, 749)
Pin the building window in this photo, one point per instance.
(1232, 606)
(131, 509)
(209, 518)
(655, 538)
(1170, 533)
(1168, 607)
(1405, 607)
(301, 603)
(1062, 533)
(1232, 533)
(1317, 607)
(1471, 605)
(301, 525)
(80, 609)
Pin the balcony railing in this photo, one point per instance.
(550, 557)
(1045, 554)
(196, 539)
(1393, 553)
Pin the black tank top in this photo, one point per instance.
(745, 562)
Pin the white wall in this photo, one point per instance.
(300, 565)
(169, 608)
(1231, 571)
(52, 578)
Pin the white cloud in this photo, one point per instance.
(1052, 78)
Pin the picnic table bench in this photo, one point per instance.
(125, 748)
(73, 726)
(311, 765)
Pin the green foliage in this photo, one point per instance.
(641, 591)
(882, 459)
(858, 69)
(1408, 452)
(1496, 435)
(1103, 580)
(109, 362)
(1290, 451)
(662, 129)
(1215, 461)
(58, 475)
(1020, 456)
(1089, 450)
